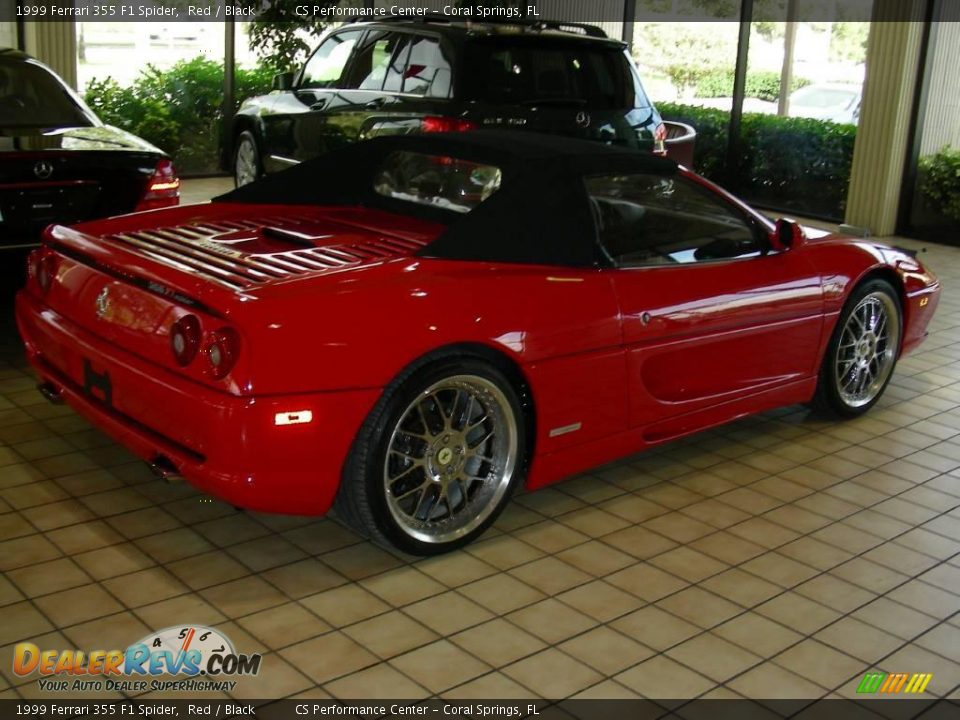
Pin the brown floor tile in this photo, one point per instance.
(112, 561)
(390, 634)
(328, 657)
(550, 575)
(345, 605)
(639, 542)
(303, 578)
(601, 601)
(797, 612)
(84, 537)
(283, 625)
(713, 657)
(605, 650)
(21, 621)
(25, 551)
(380, 682)
(172, 545)
(757, 634)
(168, 613)
(774, 683)
(661, 677)
(448, 613)
(501, 593)
(243, 597)
(655, 628)
(489, 686)
(498, 642)
(145, 587)
(835, 593)
(646, 582)
(688, 564)
(47, 577)
(819, 663)
(439, 666)
(700, 607)
(551, 620)
(77, 605)
(859, 640)
(451, 570)
(552, 674)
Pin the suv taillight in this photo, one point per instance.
(163, 187)
(436, 123)
(185, 339)
(221, 351)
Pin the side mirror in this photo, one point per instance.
(789, 234)
(283, 81)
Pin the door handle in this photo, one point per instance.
(375, 104)
(319, 104)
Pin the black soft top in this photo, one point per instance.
(540, 214)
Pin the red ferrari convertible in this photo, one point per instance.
(408, 328)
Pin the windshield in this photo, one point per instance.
(503, 71)
(438, 181)
(31, 97)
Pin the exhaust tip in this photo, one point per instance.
(164, 468)
(51, 392)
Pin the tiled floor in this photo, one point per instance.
(782, 556)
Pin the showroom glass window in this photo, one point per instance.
(649, 219)
(325, 66)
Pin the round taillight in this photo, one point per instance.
(46, 270)
(185, 339)
(222, 349)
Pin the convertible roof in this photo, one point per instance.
(540, 214)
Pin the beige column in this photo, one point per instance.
(55, 44)
(893, 53)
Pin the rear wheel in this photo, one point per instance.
(246, 160)
(862, 352)
(437, 460)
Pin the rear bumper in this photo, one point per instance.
(226, 445)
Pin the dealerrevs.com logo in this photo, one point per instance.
(205, 656)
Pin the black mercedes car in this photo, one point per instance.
(437, 74)
(59, 163)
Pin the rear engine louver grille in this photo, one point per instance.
(193, 248)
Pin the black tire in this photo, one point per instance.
(363, 502)
(246, 140)
(832, 397)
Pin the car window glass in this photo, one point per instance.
(368, 69)
(428, 69)
(591, 76)
(32, 97)
(438, 181)
(325, 66)
(647, 219)
(398, 63)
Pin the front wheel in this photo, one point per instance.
(863, 351)
(437, 460)
(246, 160)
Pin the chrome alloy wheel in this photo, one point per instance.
(246, 165)
(867, 350)
(450, 458)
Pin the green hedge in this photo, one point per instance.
(763, 84)
(940, 182)
(795, 164)
(178, 110)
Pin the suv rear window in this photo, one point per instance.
(437, 181)
(502, 71)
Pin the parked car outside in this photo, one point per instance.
(836, 102)
(411, 327)
(372, 79)
(59, 163)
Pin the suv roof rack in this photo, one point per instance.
(438, 17)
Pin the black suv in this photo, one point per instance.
(436, 75)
